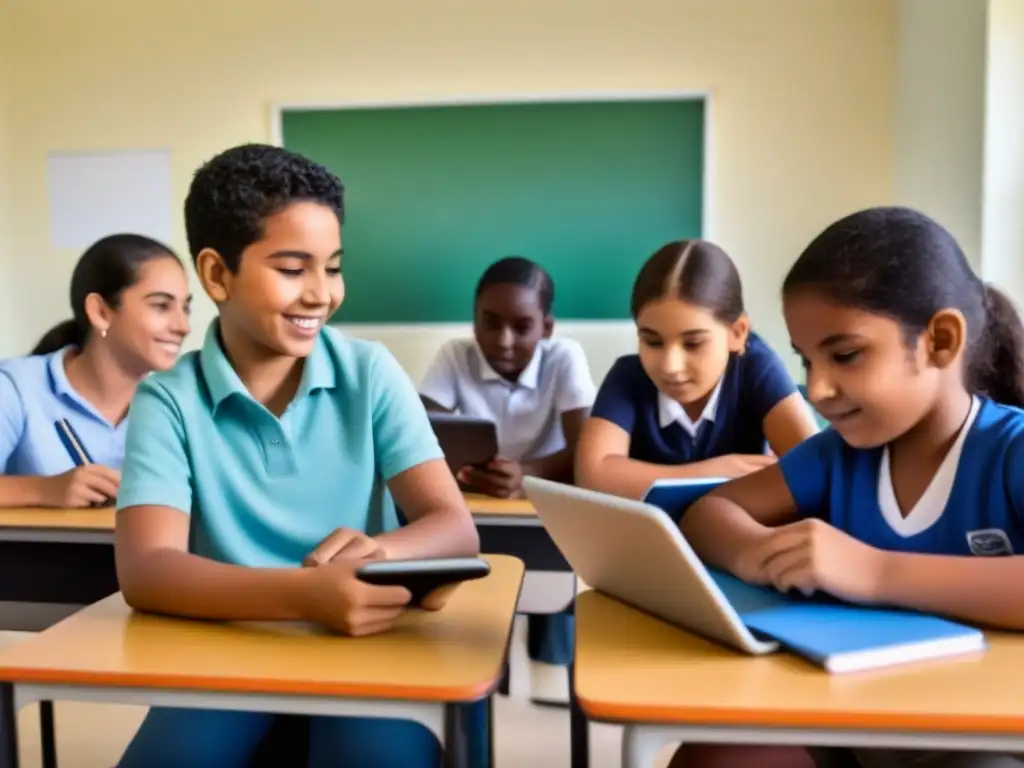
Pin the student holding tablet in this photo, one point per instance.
(538, 391)
(130, 304)
(705, 396)
(281, 444)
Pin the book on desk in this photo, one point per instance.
(835, 635)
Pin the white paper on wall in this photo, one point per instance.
(94, 194)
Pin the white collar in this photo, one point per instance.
(528, 378)
(670, 411)
(929, 508)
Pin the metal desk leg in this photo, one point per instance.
(48, 734)
(456, 737)
(579, 729)
(8, 728)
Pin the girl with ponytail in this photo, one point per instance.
(130, 305)
(915, 497)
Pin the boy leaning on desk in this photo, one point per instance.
(279, 444)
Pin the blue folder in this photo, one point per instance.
(675, 495)
(842, 637)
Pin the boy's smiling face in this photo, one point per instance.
(288, 282)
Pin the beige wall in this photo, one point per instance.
(1003, 231)
(940, 113)
(8, 341)
(803, 103)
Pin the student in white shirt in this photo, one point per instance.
(538, 391)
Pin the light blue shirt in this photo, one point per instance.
(264, 491)
(35, 393)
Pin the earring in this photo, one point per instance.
(103, 333)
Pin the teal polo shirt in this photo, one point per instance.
(264, 491)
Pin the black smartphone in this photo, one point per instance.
(421, 577)
(465, 440)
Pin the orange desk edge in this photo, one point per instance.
(634, 668)
(455, 654)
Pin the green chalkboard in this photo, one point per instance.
(435, 194)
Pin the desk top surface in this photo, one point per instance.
(633, 668)
(455, 654)
(59, 519)
(488, 505)
(103, 519)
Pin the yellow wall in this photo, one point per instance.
(7, 338)
(1003, 230)
(803, 94)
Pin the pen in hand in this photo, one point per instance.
(80, 456)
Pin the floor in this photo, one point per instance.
(93, 735)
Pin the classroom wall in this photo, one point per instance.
(803, 95)
(1003, 224)
(7, 338)
(940, 113)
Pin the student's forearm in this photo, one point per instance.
(632, 479)
(557, 466)
(981, 590)
(444, 533)
(22, 491)
(720, 530)
(181, 584)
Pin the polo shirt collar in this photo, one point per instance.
(59, 377)
(670, 411)
(223, 382)
(528, 378)
(62, 387)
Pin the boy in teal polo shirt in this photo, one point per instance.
(280, 444)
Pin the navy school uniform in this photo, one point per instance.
(732, 422)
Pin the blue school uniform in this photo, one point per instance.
(973, 506)
(35, 393)
(263, 491)
(732, 421)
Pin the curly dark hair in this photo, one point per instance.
(232, 195)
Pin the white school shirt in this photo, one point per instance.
(527, 412)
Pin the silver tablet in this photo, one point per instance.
(633, 551)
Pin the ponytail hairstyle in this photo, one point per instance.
(899, 263)
(107, 268)
(694, 271)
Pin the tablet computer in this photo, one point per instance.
(421, 577)
(465, 440)
(632, 551)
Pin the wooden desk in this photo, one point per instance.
(666, 685)
(422, 670)
(53, 562)
(90, 526)
(487, 510)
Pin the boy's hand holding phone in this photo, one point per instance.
(499, 477)
(335, 598)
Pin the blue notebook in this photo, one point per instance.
(841, 637)
(675, 495)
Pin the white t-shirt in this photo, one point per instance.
(528, 412)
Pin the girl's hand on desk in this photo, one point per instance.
(87, 486)
(499, 477)
(811, 555)
(335, 598)
(345, 543)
